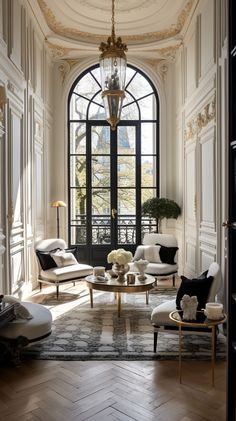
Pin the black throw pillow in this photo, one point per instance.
(197, 286)
(167, 254)
(45, 260)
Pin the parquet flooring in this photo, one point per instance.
(111, 390)
(100, 391)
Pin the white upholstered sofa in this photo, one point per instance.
(50, 272)
(158, 250)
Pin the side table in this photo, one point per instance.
(201, 322)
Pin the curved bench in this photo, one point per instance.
(16, 334)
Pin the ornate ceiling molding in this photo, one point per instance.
(75, 34)
(200, 120)
(57, 51)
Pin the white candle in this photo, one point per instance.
(214, 311)
(99, 270)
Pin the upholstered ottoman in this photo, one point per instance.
(20, 332)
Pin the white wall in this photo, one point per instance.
(26, 72)
(201, 132)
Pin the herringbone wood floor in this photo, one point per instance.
(121, 390)
(99, 391)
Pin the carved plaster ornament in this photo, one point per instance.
(59, 29)
(203, 117)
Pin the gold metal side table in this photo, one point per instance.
(201, 322)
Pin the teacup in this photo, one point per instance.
(214, 311)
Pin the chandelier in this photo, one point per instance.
(113, 70)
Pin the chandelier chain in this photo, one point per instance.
(113, 21)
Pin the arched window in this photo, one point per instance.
(111, 173)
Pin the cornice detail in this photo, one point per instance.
(57, 51)
(195, 125)
(65, 66)
(59, 29)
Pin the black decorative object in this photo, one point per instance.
(196, 286)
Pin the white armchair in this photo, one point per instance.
(160, 315)
(160, 250)
(58, 267)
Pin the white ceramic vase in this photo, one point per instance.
(141, 265)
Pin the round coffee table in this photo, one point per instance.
(112, 285)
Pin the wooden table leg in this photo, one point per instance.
(147, 296)
(91, 297)
(180, 354)
(213, 344)
(119, 303)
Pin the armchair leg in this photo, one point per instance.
(57, 287)
(40, 286)
(173, 280)
(155, 341)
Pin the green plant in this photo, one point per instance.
(159, 208)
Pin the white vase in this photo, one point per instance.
(141, 265)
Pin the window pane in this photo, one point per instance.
(77, 138)
(78, 107)
(87, 86)
(101, 202)
(148, 138)
(130, 111)
(148, 171)
(126, 171)
(78, 205)
(100, 140)
(78, 235)
(147, 194)
(147, 107)
(101, 171)
(126, 201)
(77, 171)
(126, 139)
(96, 108)
(139, 86)
(129, 74)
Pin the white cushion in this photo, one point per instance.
(156, 268)
(62, 259)
(151, 253)
(167, 240)
(160, 314)
(50, 244)
(38, 326)
(214, 270)
(68, 272)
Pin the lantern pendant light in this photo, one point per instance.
(113, 71)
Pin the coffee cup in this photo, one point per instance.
(214, 311)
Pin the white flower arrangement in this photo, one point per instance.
(120, 256)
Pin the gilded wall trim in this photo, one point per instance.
(195, 125)
(59, 29)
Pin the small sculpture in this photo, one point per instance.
(189, 307)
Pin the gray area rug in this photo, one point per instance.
(82, 333)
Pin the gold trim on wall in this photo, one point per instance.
(200, 120)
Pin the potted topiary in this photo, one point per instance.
(159, 208)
